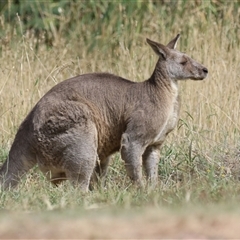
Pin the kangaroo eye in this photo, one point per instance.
(183, 62)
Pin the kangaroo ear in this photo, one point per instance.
(173, 43)
(158, 48)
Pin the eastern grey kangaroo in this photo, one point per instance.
(76, 126)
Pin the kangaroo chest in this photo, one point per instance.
(170, 119)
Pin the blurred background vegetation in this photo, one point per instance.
(92, 22)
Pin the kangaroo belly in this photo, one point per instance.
(169, 124)
(167, 128)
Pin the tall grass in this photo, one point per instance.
(200, 159)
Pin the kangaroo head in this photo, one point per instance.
(177, 65)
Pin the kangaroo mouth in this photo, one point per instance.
(202, 73)
(199, 78)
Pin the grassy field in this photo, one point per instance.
(198, 191)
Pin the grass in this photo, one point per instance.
(199, 164)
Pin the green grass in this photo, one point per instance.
(190, 182)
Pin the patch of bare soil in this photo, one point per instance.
(152, 224)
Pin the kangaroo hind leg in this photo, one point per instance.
(131, 153)
(151, 159)
(100, 172)
(80, 156)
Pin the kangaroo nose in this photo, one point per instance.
(205, 70)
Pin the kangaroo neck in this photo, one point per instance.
(160, 78)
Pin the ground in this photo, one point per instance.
(150, 223)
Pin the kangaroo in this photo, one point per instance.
(77, 125)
